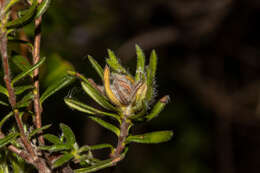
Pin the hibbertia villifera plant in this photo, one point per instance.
(126, 99)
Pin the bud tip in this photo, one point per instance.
(165, 99)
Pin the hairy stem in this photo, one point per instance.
(124, 132)
(23, 154)
(10, 89)
(36, 58)
(31, 155)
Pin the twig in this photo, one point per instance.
(124, 131)
(12, 97)
(17, 151)
(36, 58)
(34, 159)
(121, 140)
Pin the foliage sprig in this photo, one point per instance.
(126, 99)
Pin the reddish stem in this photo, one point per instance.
(36, 58)
(10, 89)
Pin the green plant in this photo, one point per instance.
(126, 99)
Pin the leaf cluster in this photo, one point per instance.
(125, 98)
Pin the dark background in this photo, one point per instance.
(208, 63)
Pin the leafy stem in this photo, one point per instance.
(36, 58)
(10, 89)
(34, 159)
(124, 132)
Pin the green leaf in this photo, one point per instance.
(74, 104)
(25, 101)
(42, 8)
(21, 89)
(106, 125)
(22, 63)
(62, 160)
(55, 148)
(25, 18)
(151, 70)
(95, 95)
(27, 72)
(64, 81)
(95, 147)
(18, 90)
(96, 167)
(3, 90)
(3, 103)
(35, 131)
(113, 62)
(97, 67)
(52, 138)
(158, 107)
(139, 116)
(68, 134)
(140, 64)
(7, 139)
(5, 119)
(151, 138)
(102, 164)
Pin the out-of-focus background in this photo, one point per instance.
(209, 63)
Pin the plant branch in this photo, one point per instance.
(17, 151)
(124, 128)
(31, 155)
(36, 58)
(10, 89)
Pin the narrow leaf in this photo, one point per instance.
(25, 18)
(102, 164)
(151, 70)
(109, 93)
(96, 66)
(3, 103)
(63, 82)
(3, 90)
(42, 8)
(68, 134)
(5, 119)
(106, 125)
(21, 89)
(38, 130)
(139, 116)
(95, 95)
(74, 104)
(151, 138)
(25, 101)
(7, 139)
(22, 63)
(55, 148)
(113, 62)
(101, 146)
(158, 107)
(52, 138)
(95, 147)
(96, 167)
(25, 73)
(62, 160)
(140, 64)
